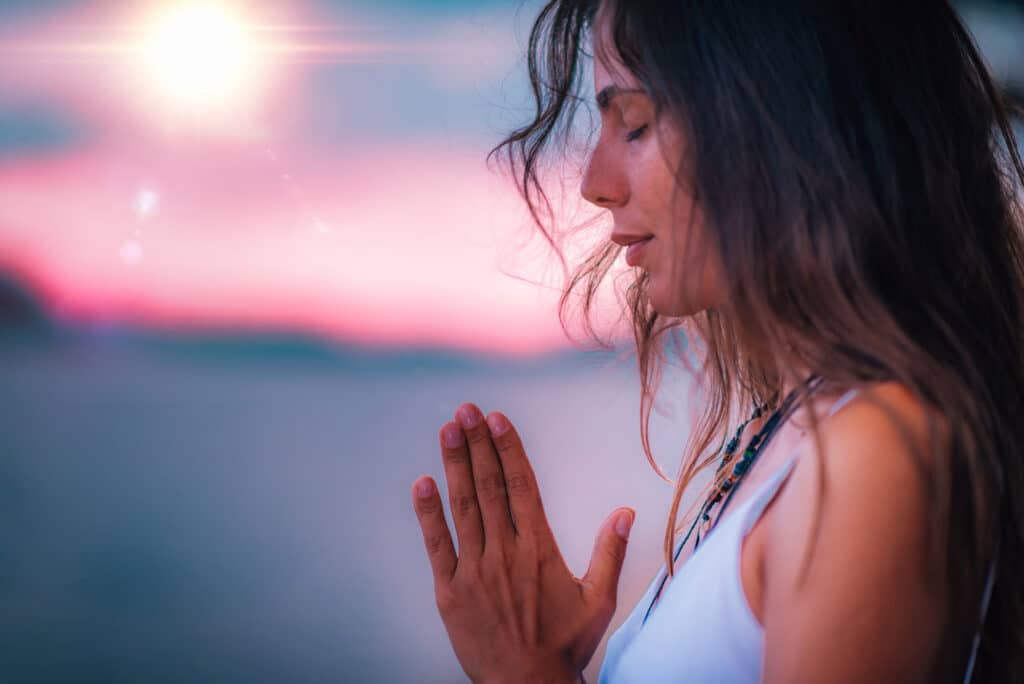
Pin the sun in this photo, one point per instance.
(200, 56)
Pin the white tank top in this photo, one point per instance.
(702, 628)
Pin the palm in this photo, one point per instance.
(509, 602)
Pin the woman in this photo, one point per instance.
(821, 201)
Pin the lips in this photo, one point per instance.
(636, 250)
(626, 239)
(634, 242)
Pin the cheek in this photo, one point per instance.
(685, 273)
(681, 234)
(686, 276)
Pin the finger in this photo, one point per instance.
(488, 478)
(458, 470)
(521, 483)
(436, 536)
(602, 579)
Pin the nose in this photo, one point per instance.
(604, 184)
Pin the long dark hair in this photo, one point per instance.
(860, 178)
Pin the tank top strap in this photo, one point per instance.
(769, 488)
(767, 492)
(841, 401)
(752, 510)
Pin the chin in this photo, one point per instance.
(673, 303)
(669, 306)
(686, 298)
(677, 311)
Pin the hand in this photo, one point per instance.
(513, 610)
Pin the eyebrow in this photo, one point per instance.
(604, 98)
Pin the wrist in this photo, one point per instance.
(555, 675)
(562, 674)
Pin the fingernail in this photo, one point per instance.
(424, 488)
(623, 524)
(469, 416)
(452, 435)
(497, 423)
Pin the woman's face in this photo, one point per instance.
(631, 173)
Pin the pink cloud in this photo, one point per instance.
(180, 224)
(386, 245)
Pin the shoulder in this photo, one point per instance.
(884, 441)
(848, 554)
(884, 412)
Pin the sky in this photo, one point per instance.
(308, 165)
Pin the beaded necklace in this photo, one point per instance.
(728, 485)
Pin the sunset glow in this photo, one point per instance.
(297, 165)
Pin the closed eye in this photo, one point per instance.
(633, 135)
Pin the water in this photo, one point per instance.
(166, 518)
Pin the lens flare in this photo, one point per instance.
(200, 57)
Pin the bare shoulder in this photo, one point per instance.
(881, 412)
(880, 443)
(846, 566)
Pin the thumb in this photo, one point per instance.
(602, 579)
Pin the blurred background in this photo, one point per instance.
(251, 260)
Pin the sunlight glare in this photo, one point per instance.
(199, 56)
